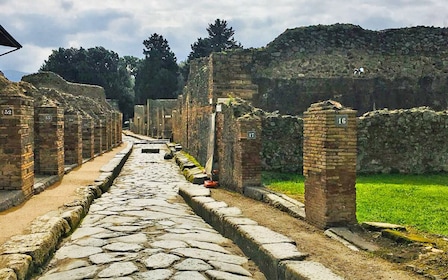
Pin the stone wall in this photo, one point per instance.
(403, 68)
(16, 138)
(404, 141)
(54, 81)
(282, 145)
(293, 96)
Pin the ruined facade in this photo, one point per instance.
(48, 124)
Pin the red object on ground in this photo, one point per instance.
(210, 184)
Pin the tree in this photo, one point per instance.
(157, 74)
(96, 66)
(220, 38)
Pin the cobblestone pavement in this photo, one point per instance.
(141, 229)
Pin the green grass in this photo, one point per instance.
(418, 201)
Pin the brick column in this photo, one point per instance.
(88, 137)
(98, 132)
(105, 132)
(329, 164)
(247, 167)
(16, 143)
(114, 128)
(49, 139)
(119, 128)
(73, 139)
(110, 130)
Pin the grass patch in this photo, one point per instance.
(291, 184)
(418, 201)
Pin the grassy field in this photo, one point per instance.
(418, 201)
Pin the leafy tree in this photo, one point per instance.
(220, 38)
(157, 74)
(96, 66)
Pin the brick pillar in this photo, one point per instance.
(73, 127)
(114, 120)
(247, 167)
(49, 139)
(88, 137)
(105, 132)
(98, 135)
(329, 164)
(120, 128)
(110, 129)
(16, 143)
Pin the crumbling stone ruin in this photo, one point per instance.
(48, 124)
(402, 69)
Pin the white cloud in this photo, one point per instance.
(122, 25)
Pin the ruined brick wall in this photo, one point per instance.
(49, 139)
(139, 122)
(238, 146)
(231, 75)
(72, 138)
(16, 138)
(88, 137)
(161, 117)
(222, 75)
(196, 110)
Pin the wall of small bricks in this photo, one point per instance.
(238, 146)
(16, 142)
(329, 164)
(98, 135)
(46, 129)
(73, 139)
(49, 140)
(88, 137)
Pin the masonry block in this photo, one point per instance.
(73, 139)
(16, 143)
(329, 164)
(98, 135)
(49, 139)
(88, 137)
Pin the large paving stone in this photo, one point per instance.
(231, 268)
(118, 269)
(105, 258)
(123, 247)
(156, 274)
(76, 252)
(161, 260)
(207, 255)
(193, 264)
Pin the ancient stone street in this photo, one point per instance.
(142, 229)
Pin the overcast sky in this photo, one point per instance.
(121, 25)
